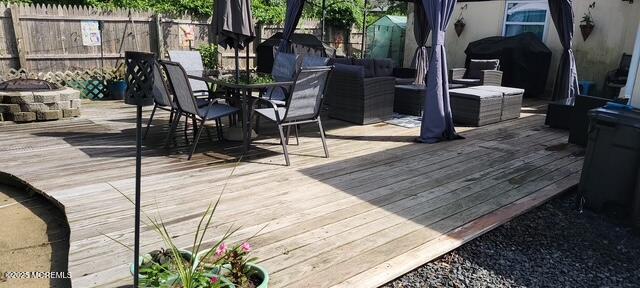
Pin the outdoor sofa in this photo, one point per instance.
(361, 91)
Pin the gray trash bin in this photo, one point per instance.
(609, 177)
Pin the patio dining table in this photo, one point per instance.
(243, 91)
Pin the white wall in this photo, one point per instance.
(633, 85)
(615, 21)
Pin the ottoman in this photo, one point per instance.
(512, 102)
(476, 107)
(409, 99)
(559, 113)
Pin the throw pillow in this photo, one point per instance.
(476, 67)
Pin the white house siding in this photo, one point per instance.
(616, 22)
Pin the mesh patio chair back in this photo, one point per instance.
(160, 88)
(181, 87)
(307, 94)
(191, 61)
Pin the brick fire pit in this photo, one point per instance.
(37, 100)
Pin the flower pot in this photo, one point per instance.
(117, 89)
(259, 271)
(586, 30)
(142, 260)
(459, 27)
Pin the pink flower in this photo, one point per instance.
(214, 279)
(246, 247)
(221, 250)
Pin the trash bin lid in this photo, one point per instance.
(619, 116)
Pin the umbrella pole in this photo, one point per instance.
(136, 245)
(237, 58)
(246, 49)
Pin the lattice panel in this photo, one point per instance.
(91, 83)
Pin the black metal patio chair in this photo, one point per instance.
(161, 97)
(188, 104)
(302, 105)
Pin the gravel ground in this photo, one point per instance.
(551, 246)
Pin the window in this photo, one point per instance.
(526, 16)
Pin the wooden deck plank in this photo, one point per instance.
(381, 246)
(415, 257)
(253, 218)
(377, 199)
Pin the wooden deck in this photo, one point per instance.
(379, 207)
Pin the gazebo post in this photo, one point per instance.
(364, 28)
(324, 15)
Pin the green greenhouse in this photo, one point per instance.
(385, 38)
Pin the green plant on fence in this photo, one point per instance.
(209, 54)
(339, 13)
(269, 12)
(202, 8)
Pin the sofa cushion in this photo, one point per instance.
(284, 66)
(476, 67)
(369, 67)
(466, 81)
(383, 67)
(313, 61)
(351, 69)
(343, 61)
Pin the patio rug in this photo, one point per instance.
(406, 121)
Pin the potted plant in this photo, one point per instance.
(209, 54)
(116, 85)
(161, 268)
(460, 24)
(587, 24)
(236, 266)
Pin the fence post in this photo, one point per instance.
(159, 37)
(14, 10)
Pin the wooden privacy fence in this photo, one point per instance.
(45, 38)
(53, 42)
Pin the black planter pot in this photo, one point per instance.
(586, 30)
(459, 27)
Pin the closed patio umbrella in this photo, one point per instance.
(233, 24)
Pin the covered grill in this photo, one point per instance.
(524, 59)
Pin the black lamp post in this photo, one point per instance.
(139, 92)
